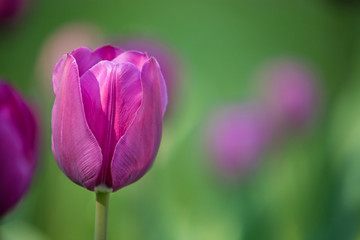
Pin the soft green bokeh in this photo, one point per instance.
(306, 188)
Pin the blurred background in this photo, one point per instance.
(262, 135)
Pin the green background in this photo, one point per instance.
(305, 188)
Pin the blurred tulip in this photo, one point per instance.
(11, 9)
(291, 92)
(167, 60)
(18, 147)
(63, 40)
(238, 136)
(107, 116)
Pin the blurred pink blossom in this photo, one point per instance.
(238, 136)
(290, 92)
(18, 147)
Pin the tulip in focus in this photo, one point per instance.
(107, 116)
(18, 147)
(238, 136)
(106, 120)
(291, 92)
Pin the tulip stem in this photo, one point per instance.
(101, 216)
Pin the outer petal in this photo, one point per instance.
(84, 59)
(136, 150)
(111, 94)
(74, 146)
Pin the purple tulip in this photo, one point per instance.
(107, 116)
(291, 92)
(18, 147)
(238, 136)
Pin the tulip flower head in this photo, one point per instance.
(107, 116)
(18, 147)
(238, 136)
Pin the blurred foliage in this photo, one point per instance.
(305, 188)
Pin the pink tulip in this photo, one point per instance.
(107, 116)
(18, 147)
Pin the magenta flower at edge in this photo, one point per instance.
(18, 147)
(107, 116)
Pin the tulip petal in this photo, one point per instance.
(136, 58)
(84, 59)
(111, 94)
(137, 148)
(74, 146)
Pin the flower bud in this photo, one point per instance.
(107, 116)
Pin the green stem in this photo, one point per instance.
(102, 204)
